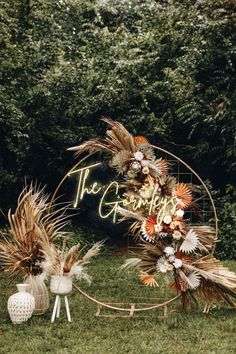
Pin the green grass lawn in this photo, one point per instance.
(182, 333)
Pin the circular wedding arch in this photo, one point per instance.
(164, 304)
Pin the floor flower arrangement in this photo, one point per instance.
(29, 248)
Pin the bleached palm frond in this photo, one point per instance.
(192, 280)
(218, 283)
(190, 243)
(206, 235)
(212, 269)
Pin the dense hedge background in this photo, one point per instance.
(164, 68)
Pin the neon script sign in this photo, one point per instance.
(110, 200)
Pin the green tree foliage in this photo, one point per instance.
(164, 68)
(226, 248)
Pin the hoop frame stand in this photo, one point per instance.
(133, 307)
(130, 309)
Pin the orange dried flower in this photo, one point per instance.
(183, 192)
(148, 280)
(140, 140)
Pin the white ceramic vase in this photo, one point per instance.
(21, 305)
(60, 284)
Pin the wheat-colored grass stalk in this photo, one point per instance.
(92, 252)
(118, 139)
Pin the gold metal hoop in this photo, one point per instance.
(134, 309)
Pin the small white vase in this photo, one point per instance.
(60, 284)
(21, 305)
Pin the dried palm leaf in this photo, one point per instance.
(147, 152)
(206, 235)
(159, 167)
(148, 280)
(134, 230)
(20, 251)
(184, 193)
(192, 280)
(217, 281)
(191, 242)
(212, 269)
(93, 145)
(215, 293)
(119, 161)
(148, 228)
(149, 257)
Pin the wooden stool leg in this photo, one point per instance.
(55, 309)
(67, 309)
(58, 307)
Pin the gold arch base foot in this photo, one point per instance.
(131, 314)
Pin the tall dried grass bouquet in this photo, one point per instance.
(20, 249)
(69, 262)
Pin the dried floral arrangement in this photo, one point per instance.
(30, 249)
(169, 244)
(20, 250)
(69, 262)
